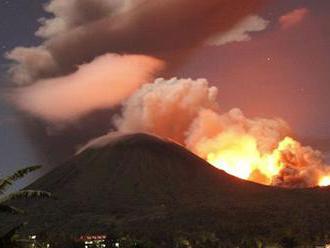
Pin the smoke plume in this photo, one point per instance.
(293, 18)
(84, 29)
(153, 107)
(60, 80)
(187, 112)
(79, 68)
(101, 84)
(241, 31)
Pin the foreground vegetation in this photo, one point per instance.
(10, 239)
(7, 182)
(144, 192)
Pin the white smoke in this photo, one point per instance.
(31, 63)
(166, 108)
(80, 30)
(69, 14)
(209, 124)
(101, 84)
(241, 31)
(187, 111)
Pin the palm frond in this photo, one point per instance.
(10, 209)
(26, 194)
(8, 181)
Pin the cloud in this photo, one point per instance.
(75, 32)
(187, 111)
(82, 30)
(31, 63)
(241, 31)
(69, 14)
(166, 107)
(293, 18)
(103, 83)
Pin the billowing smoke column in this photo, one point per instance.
(98, 53)
(84, 29)
(101, 84)
(94, 53)
(154, 106)
(256, 149)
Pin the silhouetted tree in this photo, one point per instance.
(11, 239)
(6, 182)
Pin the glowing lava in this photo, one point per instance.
(240, 156)
(242, 159)
(324, 181)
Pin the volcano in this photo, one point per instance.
(155, 188)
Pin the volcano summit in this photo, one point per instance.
(156, 189)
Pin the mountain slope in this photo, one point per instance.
(149, 186)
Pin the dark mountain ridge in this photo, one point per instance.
(152, 187)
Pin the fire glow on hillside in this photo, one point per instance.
(255, 149)
(240, 157)
(88, 60)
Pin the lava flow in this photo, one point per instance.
(256, 149)
(240, 157)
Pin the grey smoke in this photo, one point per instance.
(167, 29)
(81, 30)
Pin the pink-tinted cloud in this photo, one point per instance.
(101, 84)
(293, 18)
(80, 30)
(241, 31)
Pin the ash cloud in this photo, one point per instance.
(101, 84)
(65, 78)
(304, 167)
(82, 30)
(78, 32)
(241, 31)
(153, 108)
(69, 14)
(293, 18)
(187, 112)
(31, 63)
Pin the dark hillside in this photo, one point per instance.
(155, 188)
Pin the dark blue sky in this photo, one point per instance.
(278, 73)
(18, 22)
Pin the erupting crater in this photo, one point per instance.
(240, 156)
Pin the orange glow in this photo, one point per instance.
(239, 156)
(270, 161)
(324, 181)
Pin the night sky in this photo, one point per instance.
(282, 71)
(18, 22)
